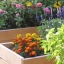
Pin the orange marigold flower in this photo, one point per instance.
(26, 51)
(27, 44)
(30, 45)
(18, 40)
(20, 49)
(33, 53)
(34, 44)
(30, 38)
(20, 44)
(16, 51)
(29, 48)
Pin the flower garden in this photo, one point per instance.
(47, 16)
(28, 46)
(20, 14)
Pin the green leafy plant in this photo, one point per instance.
(54, 44)
(48, 24)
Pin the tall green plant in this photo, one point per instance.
(54, 44)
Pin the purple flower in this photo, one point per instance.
(62, 11)
(59, 15)
(37, 17)
(42, 18)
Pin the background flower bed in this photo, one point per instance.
(16, 14)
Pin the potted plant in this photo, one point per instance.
(25, 49)
(54, 44)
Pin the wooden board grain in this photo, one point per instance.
(13, 58)
(2, 61)
(9, 35)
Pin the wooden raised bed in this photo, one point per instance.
(13, 58)
(2, 61)
(9, 35)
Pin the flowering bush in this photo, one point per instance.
(28, 45)
(16, 14)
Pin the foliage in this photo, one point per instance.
(20, 14)
(54, 44)
(48, 24)
(28, 45)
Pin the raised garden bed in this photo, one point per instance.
(13, 58)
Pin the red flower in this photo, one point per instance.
(33, 7)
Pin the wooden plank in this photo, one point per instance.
(39, 60)
(10, 56)
(9, 35)
(14, 58)
(2, 61)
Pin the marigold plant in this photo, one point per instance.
(28, 45)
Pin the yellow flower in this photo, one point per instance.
(57, 4)
(28, 4)
(34, 35)
(38, 38)
(13, 43)
(19, 36)
(28, 35)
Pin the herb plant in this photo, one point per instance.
(54, 44)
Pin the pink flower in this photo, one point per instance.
(47, 10)
(23, 7)
(2, 11)
(39, 4)
(18, 6)
(17, 14)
